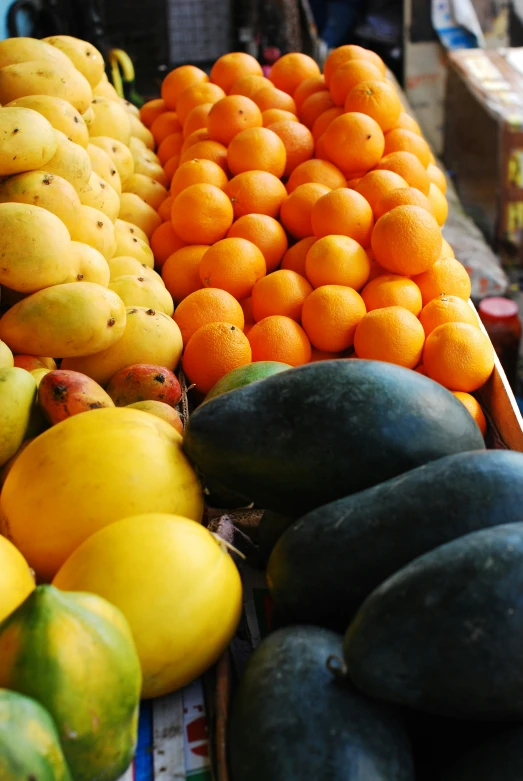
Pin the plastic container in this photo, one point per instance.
(501, 320)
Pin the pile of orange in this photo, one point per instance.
(303, 222)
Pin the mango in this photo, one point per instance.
(161, 410)
(130, 244)
(144, 382)
(59, 113)
(122, 265)
(39, 374)
(4, 471)
(17, 398)
(46, 190)
(105, 90)
(89, 471)
(110, 119)
(27, 140)
(149, 190)
(88, 116)
(35, 248)
(6, 357)
(15, 50)
(96, 229)
(65, 321)
(149, 337)
(98, 194)
(31, 362)
(119, 153)
(64, 393)
(138, 130)
(90, 265)
(102, 164)
(122, 226)
(45, 77)
(85, 57)
(70, 161)
(130, 107)
(16, 579)
(142, 291)
(134, 210)
(144, 164)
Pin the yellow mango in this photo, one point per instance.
(16, 579)
(138, 148)
(133, 209)
(27, 140)
(100, 195)
(134, 247)
(142, 291)
(35, 248)
(105, 168)
(85, 57)
(65, 320)
(105, 89)
(130, 107)
(110, 119)
(119, 153)
(122, 265)
(48, 191)
(70, 161)
(139, 130)
(39, 374)
(88, 116)
(149, 190)
(97, 230)
(149, 337)
(6, 356)
(59, 113)
(17, 399)
(90, 265)
(122, 227)
(45, 77)
(15, 50)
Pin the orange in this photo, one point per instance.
(266, 233)
(197, 172)
(201, 214)
(212, 352)
(246, 305)
(458, 356)
(319, 171)
(272, 115)
(330, 316)
(165, 124)
(170, 167)
(337, 260)
(280, 293)
(269, 97)
(195, 96)
(403, 196)
(377, 99)
(375, 269)
(248, 85)
(446, 250)
(392, 334)
(350, 74)
(348, 52)
(408, 123)
(320, 152)
(323, 121)
(164, 242)
(447, 277)
(230, 67)
(315, 105)
(440, 207)
(178, 80)
(446, 309)
(256, 149)
(209, 305)
(170, 146)
(279, 338)
(392, 290)
(409, 167)
(377, 184)
(474, 407)
(230, 116)
(195, 137)
(165, 209)
(295, 257)
(354, 142)
(180, 271)
(407, 241)
(298, 143)
(343, 212)
(234, 265)
(289, 71)
(308, 87)
(152, 109)
(437, 177)
(196, 119)
(421, 370)
(401, 140)
(296, 209)
(256, 192)
(206, 150)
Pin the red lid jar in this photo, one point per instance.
(501, 320)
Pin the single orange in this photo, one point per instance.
(279, 338)
(409, 167)
(377, 184)
(171, 167)
(296, 209)
(377, 99)
(324, 120)
(197, 172)
(256, 192)
(447, 276)
(440, 207)
(249, 85)
(230, 116)
(233, 66)
(212, 352)
(318, 171)
(392, 334)
(337, 260)
(308, 87)
(196, 119)
(330, 316)
(289, 71)
(257, 149)
(343, 212)
(266, 233)
(407, 122)
(354, 142)
(320, 152)
(446, 309)
(298, 143)
(392, 290)
(166, 123)
(272, 115)
(180, 271)
(401, 140)
(201, 214)
(269, 97)
(208, 305)
(315, 105)
(246, 305)
(170, 146)
(403, 196)
(178, 80)
(281, 293)
(407, 241)
(375, 269)
(458, 356)
(296, 256)
(446, 250)
(196, 95)
(342, 54)
(206, 150)
(234, 265)
(164, 242)
(354, 182)
(474, 407)
(349, 75)
(437, 177)
(166, 208)
(202, 134)
(152, 109)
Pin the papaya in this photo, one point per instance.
(64, 393)
(162, 410)
(65, 320)
(48, 191)
(71, 162)
(292, 720)
(75, 655)
(16, 579)
(150, 191)
(89, 265)
(244, 375)
(28, 140)
(100, 195)
(119, 153)
(96, 229)
(29, 742)
(135, 210)
(142, 291)
(6, 357)
(338, 426)
(104, 167)
(17, 399)
(498, 758)
(367, 537)
(126, 461)
(441, 635)
(84, 56)
(15, 50)
(110, 119)
(138, 130)
(122, 265)
(60, 113)
(144, 382)
(45, 77)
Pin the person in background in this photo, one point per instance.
(336, 19)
